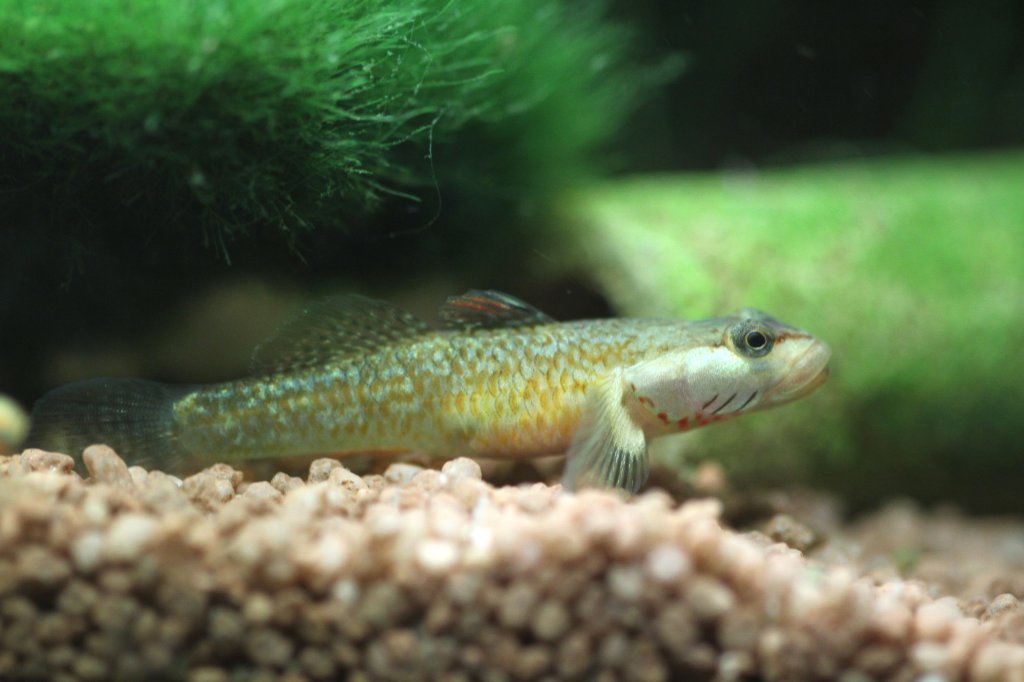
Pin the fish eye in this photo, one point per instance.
(756, 340)
(752, 339)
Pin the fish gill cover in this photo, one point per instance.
(215, 120)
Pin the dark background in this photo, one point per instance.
(780, 82)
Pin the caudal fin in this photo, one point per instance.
(132, 416)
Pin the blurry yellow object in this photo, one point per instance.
(13, 425)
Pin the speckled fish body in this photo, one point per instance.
(501, 380)
(495, 392)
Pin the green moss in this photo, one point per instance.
(909, 268)
(226, 115)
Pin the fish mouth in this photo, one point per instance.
(809, 371)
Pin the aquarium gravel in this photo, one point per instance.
(419, 573)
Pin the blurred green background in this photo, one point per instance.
(175, 175)
(910, 268)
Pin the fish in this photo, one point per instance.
(498, 379)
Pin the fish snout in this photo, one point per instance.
(806, 371)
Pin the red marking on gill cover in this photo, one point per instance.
(683, 423)
(663, 417)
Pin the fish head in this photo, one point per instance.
(781, 362)
(729, 366)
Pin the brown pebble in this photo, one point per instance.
(934, 620)
(163, 494)
(116, 580)
(129, 535)
(259, 608)
(735, 665)
(77, 597)
(317, 663)
(267, 646)
(139, 476)
(711, 479)
(88, 667)
(532, 662)
(227, 625)
(573, 655)
(292, 676)
(999, 662)
(437, 557)
(285, 483)
(436, 574)
(209, 491)
(676, 628)
(400, 473)
(613, 650)
(261, 490)
(461, 469)
(517, 605)
(1003, 603)
(428, 480)
(208, 674)
(877, 660)
(784, 528)
(225, 472)
(343, 478)
(667, 563)
(626, 582)
(43, 567)
(708, 598)
(53, 462)
(550, 621)
(738, 630)
(320, 469)
(104, 466)
(62, 656)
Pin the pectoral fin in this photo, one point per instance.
(608, 449)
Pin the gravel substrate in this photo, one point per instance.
(420, 574)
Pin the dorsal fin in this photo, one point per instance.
(478, 309)
(333, 329)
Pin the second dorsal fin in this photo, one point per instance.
(333, 329)
(479, 309)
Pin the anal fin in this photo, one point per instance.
(609, 450)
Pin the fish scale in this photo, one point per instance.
(486, 403)
(501, 380)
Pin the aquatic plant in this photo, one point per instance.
(234, 117)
